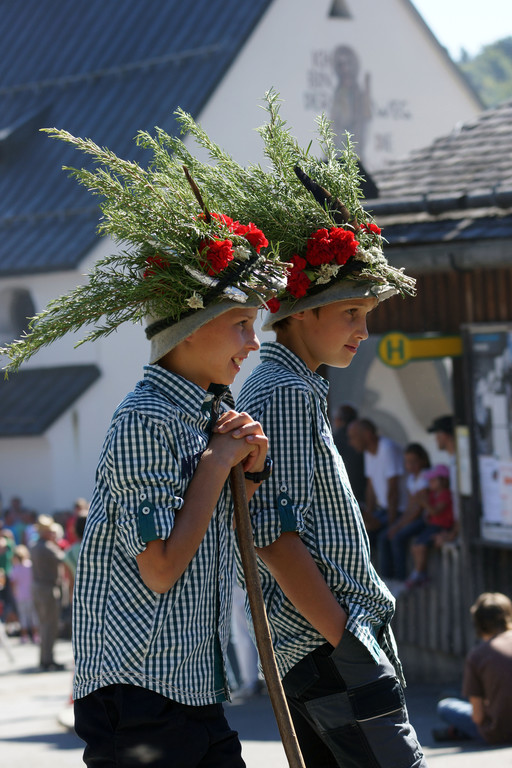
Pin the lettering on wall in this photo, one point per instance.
(338, 85)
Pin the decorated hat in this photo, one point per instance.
(188, 248)
(314, 217)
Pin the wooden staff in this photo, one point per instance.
(259, 618)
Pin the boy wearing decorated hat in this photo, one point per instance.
(328, 610)
(152, 596)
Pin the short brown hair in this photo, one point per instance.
(492, 613)
(285, 321)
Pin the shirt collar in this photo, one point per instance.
(272, 351)
(189, 397)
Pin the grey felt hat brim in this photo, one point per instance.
(170, 337)
(345, 289)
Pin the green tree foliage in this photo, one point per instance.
(490, 71)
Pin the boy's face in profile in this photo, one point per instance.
(215, 352)
(332, 334)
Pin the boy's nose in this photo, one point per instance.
(363, 330)
(253, 343)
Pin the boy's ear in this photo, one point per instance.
(298, 315)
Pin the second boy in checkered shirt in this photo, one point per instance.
(328, 610)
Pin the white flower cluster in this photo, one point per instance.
(326, 273)
(195, 301)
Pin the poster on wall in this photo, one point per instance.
(490, 355)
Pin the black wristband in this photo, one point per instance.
(259, 477)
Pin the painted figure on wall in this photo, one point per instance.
(351, 102)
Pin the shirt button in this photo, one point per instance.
(283, 488)
(146, 510)
(284, 502)
(142, 496)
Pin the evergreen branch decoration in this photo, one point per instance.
(160, 229)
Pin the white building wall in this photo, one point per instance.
(50, 471)
(407, 90)
(409, 93)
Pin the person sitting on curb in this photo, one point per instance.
(485, 713)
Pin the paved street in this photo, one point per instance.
(31, 704)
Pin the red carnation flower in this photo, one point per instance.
(218, 254)
(319, 250)
(251, 233)
(273, 305)
(224, 219)
(154, 263)
(370, 227)
(298, 282)
(343, 244)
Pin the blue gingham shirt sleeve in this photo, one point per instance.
(145, 474)
(284, 500)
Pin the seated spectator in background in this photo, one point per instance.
(437, 517)
(352, 459)
(416, 462)
(486, 712)
(21, 582)
(385, 497)
(443, 429)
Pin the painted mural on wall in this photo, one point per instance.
(339, 85)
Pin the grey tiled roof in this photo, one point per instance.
(31, 400)
(472, 161)
(102, 69)
(457, 189)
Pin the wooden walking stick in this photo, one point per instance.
(259, 618)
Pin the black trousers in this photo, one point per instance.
(348, 711)
(124, 725)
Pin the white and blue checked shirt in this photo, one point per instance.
(123, 632)
(309, 492)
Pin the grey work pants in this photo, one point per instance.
(47, 605)
(349, 711)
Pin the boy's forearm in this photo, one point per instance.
(298, 575)
(164, 562)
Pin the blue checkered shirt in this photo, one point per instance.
(309, 492)
(123, 632)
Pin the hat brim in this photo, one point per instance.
(345, 289)
(170, 337)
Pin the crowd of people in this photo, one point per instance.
(38, 556)
(38, 559)
(409, 507)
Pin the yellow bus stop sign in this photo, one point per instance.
(396, 349)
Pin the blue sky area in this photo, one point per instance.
(468, 24)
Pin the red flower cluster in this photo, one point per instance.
(324, 246)
(335, 244)
(298, 282)
(220, 252)
(154, 263)
(371, 227)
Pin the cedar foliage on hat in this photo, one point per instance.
(313, 215)
(183, 246)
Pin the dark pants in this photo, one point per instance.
(350, 712)
(123, 725)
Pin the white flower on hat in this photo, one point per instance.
(195, 301)
(326, 273)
